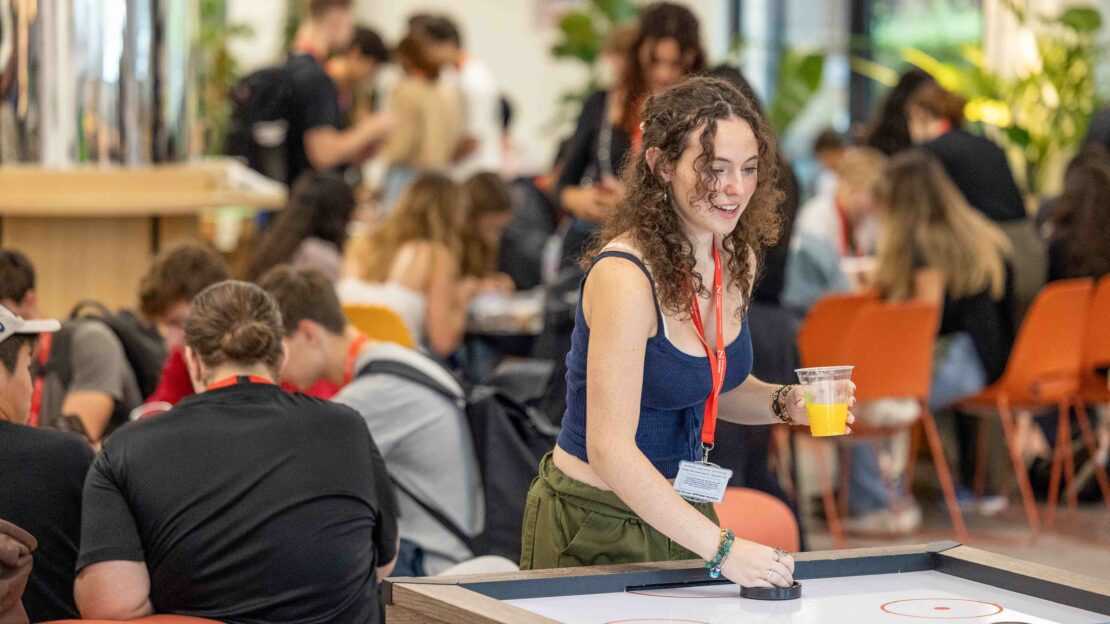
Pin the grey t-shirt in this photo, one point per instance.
(424, 440)
(99, 365)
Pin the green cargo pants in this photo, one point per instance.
(568, 523)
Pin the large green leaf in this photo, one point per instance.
(580, 38)
(1084, 20)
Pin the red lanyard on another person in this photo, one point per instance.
(352, 355)
(718, 360)
(238, 379)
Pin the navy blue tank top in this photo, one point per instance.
(672, 401)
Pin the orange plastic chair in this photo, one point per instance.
(1093, 386)
(759, 517)
(891, 347)
(150, 619)
(1043, 371)
(822, 333)
(379, 323)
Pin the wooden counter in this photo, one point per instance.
(92, 232)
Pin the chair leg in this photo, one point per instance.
(1008, 429)
(1092, 448)
(1069, 458)
(845, 473)
(943, 475)
(981, 463)
(915, 443)
(831, 516)
(1056, 473)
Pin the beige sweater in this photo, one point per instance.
(429, 124)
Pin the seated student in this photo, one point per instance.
(1079, 243)
(243, 502)
(41, 474)
(937, 249)
(412, 263)
(312, 229)
(489, 210)
(165, 291)
(422, 435)
(833, 228)
(18, 294)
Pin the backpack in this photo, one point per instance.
(261, 106)
(509, 440)
(143, 347)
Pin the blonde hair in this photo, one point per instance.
(929, 217)
(430, 209)
(862, 167)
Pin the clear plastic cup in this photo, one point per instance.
(826, 393)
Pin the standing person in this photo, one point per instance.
(428, 111)
(354, 72)
(667, 47)
(42, 475)
(243, 502)
(479, 149)
(889, 129)
(980, 171)
(661, 336)
(316, 138)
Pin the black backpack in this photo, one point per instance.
(261, 106)
(509, 440)
(142, 345)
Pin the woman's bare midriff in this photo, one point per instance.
(579, 470)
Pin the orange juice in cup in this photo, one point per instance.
(826, 390)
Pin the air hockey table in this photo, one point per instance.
(938, 582)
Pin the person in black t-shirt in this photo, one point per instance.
(243, 503)
(41, 474)
(316, 139)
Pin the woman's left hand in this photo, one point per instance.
(796, 404)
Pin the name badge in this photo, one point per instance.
(700, 482)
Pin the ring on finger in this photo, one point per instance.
(767, 577)
(779, 554)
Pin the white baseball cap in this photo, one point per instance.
(12, 323)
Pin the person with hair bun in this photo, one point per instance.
(243, 502)
(661, 347)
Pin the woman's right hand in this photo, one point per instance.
(749, 564)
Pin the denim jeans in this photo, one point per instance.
(957, 371)
(410, 560)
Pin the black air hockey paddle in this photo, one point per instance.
(772, 593)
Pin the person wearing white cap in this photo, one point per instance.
(43, 475)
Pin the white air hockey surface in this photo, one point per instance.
(909, 597)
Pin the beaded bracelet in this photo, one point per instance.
(714, 566)
(778, 405)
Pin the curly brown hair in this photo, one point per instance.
(671, 120)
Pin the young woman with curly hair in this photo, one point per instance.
(654, 340)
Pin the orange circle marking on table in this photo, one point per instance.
(943, 608)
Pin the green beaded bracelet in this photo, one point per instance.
(714, 566)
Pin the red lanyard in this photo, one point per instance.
(352, 355)
(718, 361)
(238, 379)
